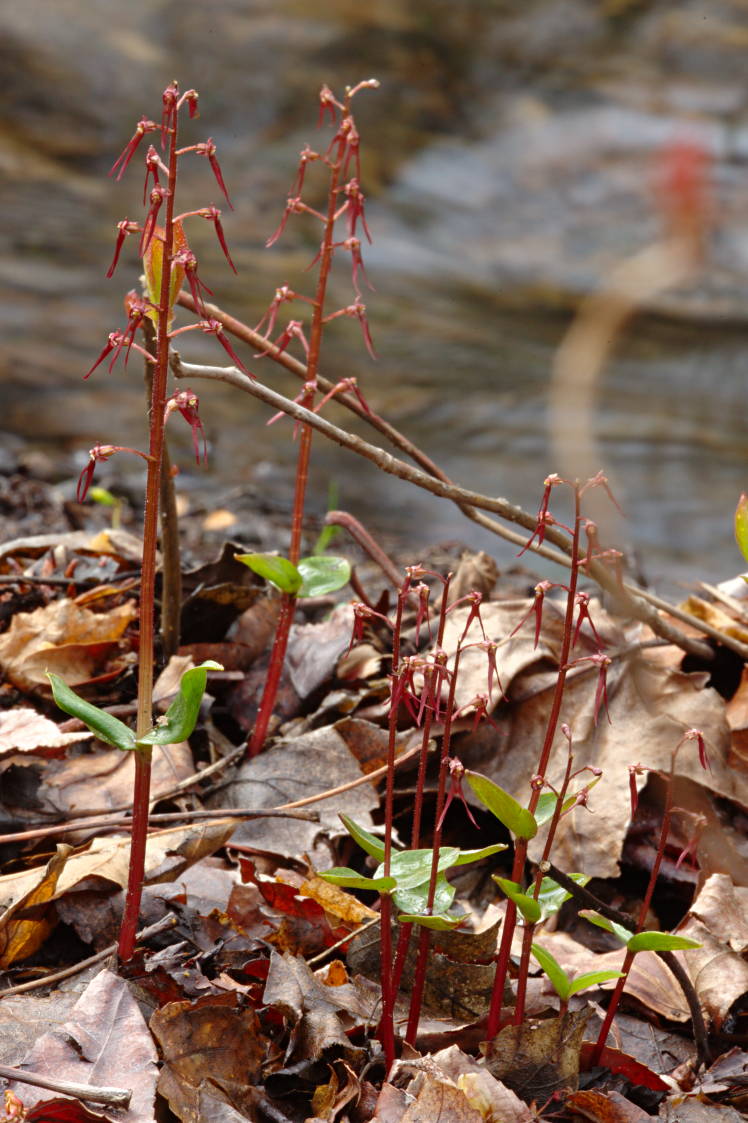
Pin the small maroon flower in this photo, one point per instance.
(188, 262)
(144, 126)
(153, 165)
(328, 103)
(208, 149)
(294, 329)
(602, 662)
(543, 518)
(191, 99)
(116, 342)
(96, 454)
(215, 327)
(697, 736)
(536, 608)
(188, 405)
(294, 205)
(306, 156)
(634, 771)
(583, 603)
(353, 245)
(455, 791)
(354, 208)
(157, 196)
(123, 229)
(357, 310)
(345, 385)
(169, 98)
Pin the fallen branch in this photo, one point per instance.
(631, 599)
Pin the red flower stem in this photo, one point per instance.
(288, 602)
(520, 849)
(529, 931)
(142, 783)
(424, 936)
(389, 984)
(615, 997)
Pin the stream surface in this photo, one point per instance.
(508, 161)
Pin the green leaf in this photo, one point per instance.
(278, 571)
(476, 855)
(413, 867)
(741, 525)
(527, 905)
(441, 922)
(321, 575)
(373, 846)
(660, 941)
(555, 972)
(107, 728)
(551, 896)
(180, 718)
(513, 815)
(618, 930)
(103, 497)
(349, 879)
(414, 899)
(592, 979)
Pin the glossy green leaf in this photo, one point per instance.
(350, 879)
(440, 922)
(322, 575)
(505, 807)
(526, 904)
(660, 941)
(368, 842)
(414, 899)
(552, 896)
(106, 727)
(179, 720)
(413, 867)
(592, 979)
(278, 571)
(741, 525)
(555, 972)
(476, 855)
(618, 930)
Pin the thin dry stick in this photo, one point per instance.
(631, 598)
(112, 1097)
(119, 822)
(154, 929)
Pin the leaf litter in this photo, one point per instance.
(261, 1000)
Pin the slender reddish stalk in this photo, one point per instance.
(520, 850)
(288, 603)
(615, 997)
(141, 790)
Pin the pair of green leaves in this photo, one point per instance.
(312, 577)
(642, 941)
(517, 819)
(565, 986)
(176, 725)
(549, 900)
(409, 877)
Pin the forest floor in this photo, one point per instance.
(254, 993)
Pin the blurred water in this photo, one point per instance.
(507, 159)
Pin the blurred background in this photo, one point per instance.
(508, 164)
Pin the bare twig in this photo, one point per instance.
(154, 929)
(112, 1097)
(629, 596)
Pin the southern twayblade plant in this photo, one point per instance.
(168, 261)
(345, 202)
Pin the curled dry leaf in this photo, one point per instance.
(104, 1042)
(167, 854)
(23, 730)
(62, 637)
(538, 1058)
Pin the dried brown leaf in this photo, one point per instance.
(23, 730)
(536, 1059)
(104, 1042)
(208, 1043)
(61, 636)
